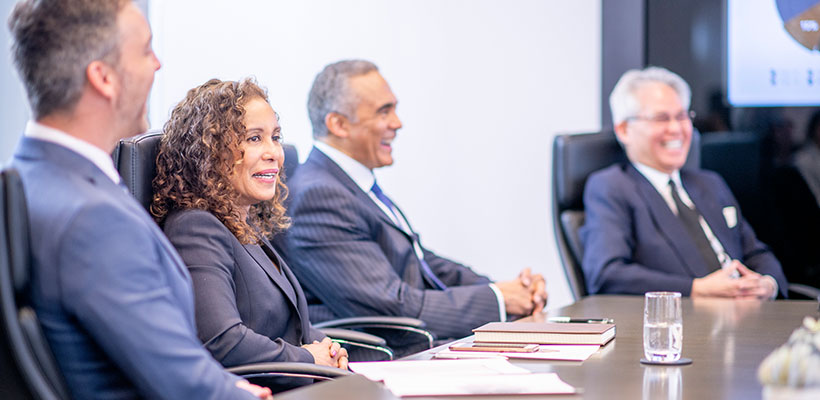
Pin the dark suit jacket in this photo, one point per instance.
(633, 242)
(354, 261)
(113, 297)
(246, 310)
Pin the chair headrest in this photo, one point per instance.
(291, 161)
(136, 160)
(15, 224)
(575, 157)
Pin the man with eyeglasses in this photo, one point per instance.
(651, 225)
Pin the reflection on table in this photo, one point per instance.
(726, 339)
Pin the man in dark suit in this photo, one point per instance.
(113, 296)
(651, 225)
(352, 249)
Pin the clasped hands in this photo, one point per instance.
(721, 283)
(327, 352)
(525, 295)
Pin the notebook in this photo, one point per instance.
(545, 333)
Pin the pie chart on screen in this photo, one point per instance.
(801, 18)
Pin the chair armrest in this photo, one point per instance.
(381, 323)
(805, 290)
(291, 369)
(370, 321)
(353, 336)
(361, 346)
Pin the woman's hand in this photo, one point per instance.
(327, 353)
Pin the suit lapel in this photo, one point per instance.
(668, 224)
(264, 262)
(285, 281)
(299, 302)
(331, 167)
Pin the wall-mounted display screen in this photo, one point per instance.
(773, 52)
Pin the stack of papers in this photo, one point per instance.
(488, 376)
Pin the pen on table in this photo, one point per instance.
(582, 320)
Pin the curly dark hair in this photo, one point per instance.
(197, 154)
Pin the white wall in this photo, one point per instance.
(483, 86)
(14, 110)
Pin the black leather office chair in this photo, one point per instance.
(135, 159)
(574, 158)
(28, 369)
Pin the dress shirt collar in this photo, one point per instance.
(361, 175)
(97, 157)
(658, 179)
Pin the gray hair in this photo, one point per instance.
(623, 101)
(53, 43)
(331, 92)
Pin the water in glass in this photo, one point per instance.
(662, 341)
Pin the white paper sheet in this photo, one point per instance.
(381, 370)
(454, 385)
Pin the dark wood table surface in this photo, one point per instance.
(726, 339)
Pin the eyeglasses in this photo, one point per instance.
(664, 118)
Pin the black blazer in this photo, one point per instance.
(247, 311)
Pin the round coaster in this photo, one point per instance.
(680, 361)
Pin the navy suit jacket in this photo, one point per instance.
(633, 242)
(246, 310)
(113, 297)
(353, 260)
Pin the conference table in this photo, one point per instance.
(726, 339)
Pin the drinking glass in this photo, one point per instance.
(662, 326)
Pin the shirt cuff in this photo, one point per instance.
(502, 310)
(776, 287)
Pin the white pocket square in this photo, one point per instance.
(730, 215)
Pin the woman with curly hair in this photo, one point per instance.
(218, 195)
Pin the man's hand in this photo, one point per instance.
(538, 289)
(720, 283)
(258, 391)
(524, 295)
(327, 353)
(517, 297)
(761, 287)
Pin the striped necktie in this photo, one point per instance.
(691, 220)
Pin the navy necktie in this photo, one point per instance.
(425, 268)
(691, 220)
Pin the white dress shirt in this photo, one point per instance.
(93, 153)
(660, 181)
(364, 179)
